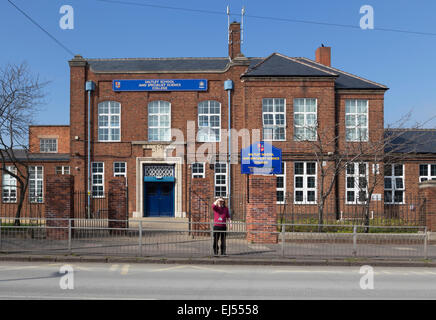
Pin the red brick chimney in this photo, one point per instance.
(234, 40)
(323, 55)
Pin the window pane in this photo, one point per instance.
(398, 170)
(298, 182)
(310, 168)
(311, 182)
(299, 168)
(433, 170)
(388, 183)
(298, 196)
(311, 196)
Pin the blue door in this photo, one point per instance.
(158, 199)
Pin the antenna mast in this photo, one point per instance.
(228, 24)
(242, 24)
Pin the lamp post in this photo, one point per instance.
(228, 86)
(89, 87)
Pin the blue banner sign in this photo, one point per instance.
(261, 158)
(160, 85)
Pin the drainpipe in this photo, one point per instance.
(90, 86)
(228, 86)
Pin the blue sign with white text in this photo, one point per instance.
(261, 158)
(160, 85)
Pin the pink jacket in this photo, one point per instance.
(220, 215)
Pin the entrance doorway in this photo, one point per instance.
(159, 199)
(158, 188)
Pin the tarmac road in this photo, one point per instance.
(41, 280)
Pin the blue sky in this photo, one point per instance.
(404, 62)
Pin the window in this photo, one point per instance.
(48, 145)
(427, 172)
(305, 182)
(273, 119)
(120, 169)
(109, 127)
(36, 180)
(159, 121)
(281, 185)
(221, 179)
(62, 170)
(394, 183)
(209, 121)
(97, 179)
(356, 120)
(198, 170)
(305, 119)
(9, 186)
(356, 181)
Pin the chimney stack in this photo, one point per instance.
(323, 55)
(235, 40)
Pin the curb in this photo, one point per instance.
(221, 261)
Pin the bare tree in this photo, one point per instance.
(393, 148)
(21, 94)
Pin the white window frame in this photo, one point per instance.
(100, 194)
(9, 186)
(109, 126)
(221, 185)
(201, 174)
(356, 175)
(119, 173)
(47, 143)
(428, 176)
(62, 170)
(352, 110)
(205, 132)
(305, 189)
(306, 127)
(36, 190)
(283, 188)
(158, 127)
(394, 187)
(273, 113)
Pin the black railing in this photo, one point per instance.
(97, 208)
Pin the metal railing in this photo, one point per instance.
(150, 238)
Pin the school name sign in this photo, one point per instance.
(261, 158)
(160, 85)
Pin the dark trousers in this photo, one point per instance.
(216, 237)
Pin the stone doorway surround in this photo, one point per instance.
(159, 151)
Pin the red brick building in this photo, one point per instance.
(296, 104)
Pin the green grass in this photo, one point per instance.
(392, 226)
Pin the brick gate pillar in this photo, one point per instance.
(59, 204)
(201, 206)
(261, 209)
(427, 192)
(117, 203)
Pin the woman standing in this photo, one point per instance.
(221, 218)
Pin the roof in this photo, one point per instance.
(411, 140)
(346, 80)
(23, 155)
(275, 65)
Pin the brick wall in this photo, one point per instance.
(117, 203)
(59, 205)
(261, 210)
(61, 133)
(427, 191)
